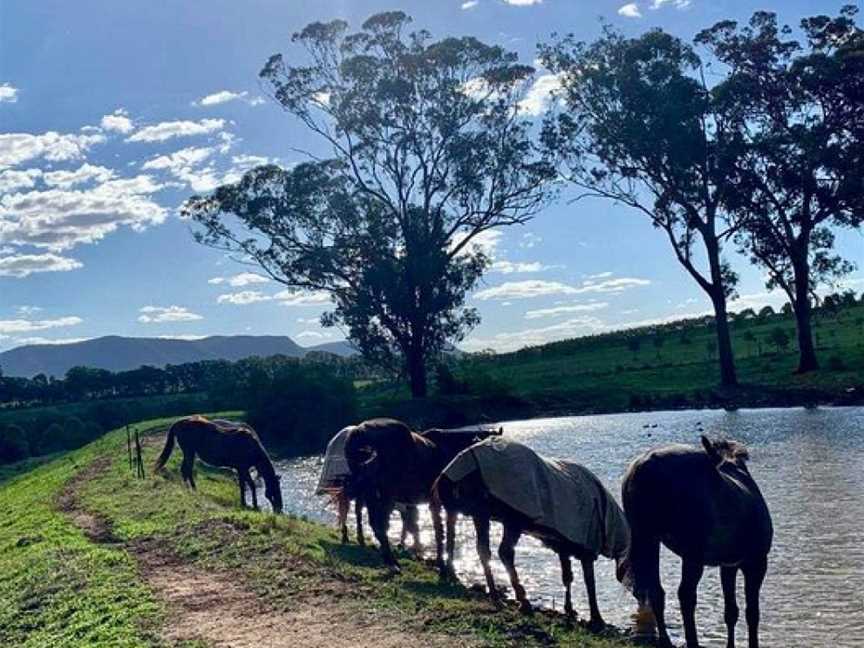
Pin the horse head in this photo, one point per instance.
(727, 455)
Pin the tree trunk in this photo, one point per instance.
(728, 376)
(417, 373)
(807, 360)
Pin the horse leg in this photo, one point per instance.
(507, 554)
(403, 535)
(481, 528)
(645, 561)
(254, 490)
(754, 575)
(186, 468)
(241, 482)
(451, 539)
(567, 579)
(413, 516)
(691, 573)
(730, 612)
(435, 510)
(379, 517)
(358, 515)
(596, 622)
(342, 506)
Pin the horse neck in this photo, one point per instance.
(264, 466)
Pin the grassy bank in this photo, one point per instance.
(64, 586)
(670, 367)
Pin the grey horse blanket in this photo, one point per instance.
(335, 469)
(557, 495)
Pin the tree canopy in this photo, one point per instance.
(426, 150)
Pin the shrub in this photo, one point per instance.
(13, 444)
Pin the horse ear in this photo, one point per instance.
(710, 449)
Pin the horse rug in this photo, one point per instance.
(561, 496)
(335, 470)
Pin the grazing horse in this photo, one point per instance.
(392, 464)
(336, 481)
(704, 506)
(560, 503)
(224, 444)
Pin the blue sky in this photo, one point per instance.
(111, 114)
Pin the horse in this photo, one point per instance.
(562, 504)
(704, 505)
(225, 444)
(337, 482)
(391, 464)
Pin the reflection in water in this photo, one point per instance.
(808, 463)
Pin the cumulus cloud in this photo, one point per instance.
(564, 310)
(518, 267)
(8, 93)
(540, 94)
(161, 314)
(292, 298)
(171, 129)
(225, 96)
(59, 219)
(239, 280)
(118, 121)
(539, 288)
(510, 341)
(243, 297)
(630, 10)
(16, 326)
(13, 180)
(16, 148)
(678, 4)
(84, 174)
(318, 335)
(470, 4)
(23, 265)
(522, 3)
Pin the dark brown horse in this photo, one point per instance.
(224, 444)
(702, 504)
(560, 503)
(391, 464)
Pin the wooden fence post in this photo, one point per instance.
(129, 445)
(139, 457)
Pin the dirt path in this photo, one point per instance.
(213, 606)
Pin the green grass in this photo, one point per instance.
(61, 589)
(601, 375)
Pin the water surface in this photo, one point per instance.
(808, 463)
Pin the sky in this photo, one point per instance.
(113, 113)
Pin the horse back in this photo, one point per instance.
(217, 444)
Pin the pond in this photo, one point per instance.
(808, 463)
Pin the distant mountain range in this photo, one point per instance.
(117, 353)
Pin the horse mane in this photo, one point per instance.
(730, 450)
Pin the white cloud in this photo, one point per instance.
(598, 275)
(540, 94)
(292, 298)
(60, 219)
(225, 96)
(16, 326)
(12, 180)
(486, 241)
(526, 289)
(510, 341)
(678, 4)
(243, 297)
(522, 3)
(562, 310)
(183, 128)
(539, 288)
(23, 265)
(16, 148)
(118, 121)
(318, 335)
(470, 4)
(514, 267)
(530, 240)
(82, 175)
(18, 341)
(182, 336)
(8, 93)
(239, 280)
(630, 10)
(160, 314)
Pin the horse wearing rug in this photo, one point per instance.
(225, 444)
(702, 504)
(336, 481)
(558, 502)
(393, 465)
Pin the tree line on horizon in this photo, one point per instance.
(429, 148)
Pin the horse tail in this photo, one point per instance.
(638, 568)
(360, 453)
(169, 446)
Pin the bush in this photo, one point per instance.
(302, 407)
(836, 363)
(13, 444)
(448, 384)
